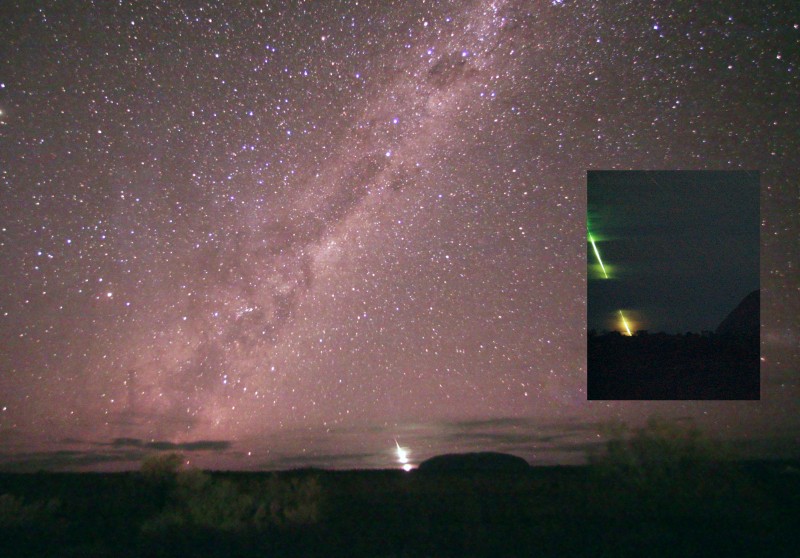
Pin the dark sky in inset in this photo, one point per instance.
(681, 249)
(311, 228)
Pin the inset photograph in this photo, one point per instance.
(673, 300)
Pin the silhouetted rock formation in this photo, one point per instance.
(482, 461)
(745, 319)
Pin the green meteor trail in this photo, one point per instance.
(597, 253)
(600, 260)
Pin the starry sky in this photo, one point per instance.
(280, 234)
(680, 250)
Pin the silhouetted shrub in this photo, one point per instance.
(291, 501)
(14, 512)
(663, 461)
(199, 500)
(161, 466)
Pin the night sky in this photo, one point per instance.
(273, 236)
(680, 249)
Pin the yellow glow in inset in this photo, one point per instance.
(625, 323)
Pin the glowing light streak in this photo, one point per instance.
(402, 454)
(599, 259)
(597, 253)
(625, 322)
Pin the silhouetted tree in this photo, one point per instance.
(14, 512)
(662, 461)
(161, 466)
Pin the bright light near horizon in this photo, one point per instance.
(402, 455)
(625, 323)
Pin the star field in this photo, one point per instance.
(276, 224)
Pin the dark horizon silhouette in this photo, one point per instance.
(723, 364)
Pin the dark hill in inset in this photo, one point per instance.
(481, 461)
(745, 319)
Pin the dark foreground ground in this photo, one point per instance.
(673, 367)
(746, 509)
